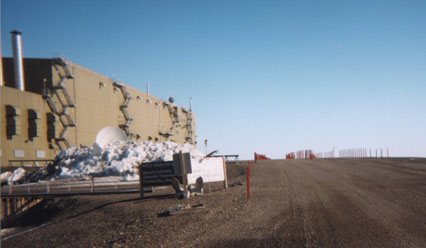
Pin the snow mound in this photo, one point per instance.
(4, 177)
(120, 158)
(9, 177)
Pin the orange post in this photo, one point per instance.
(248, 180)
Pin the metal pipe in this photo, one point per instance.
(1, 65)
(18, 60)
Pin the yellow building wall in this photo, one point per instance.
(21, 145)
(97, 105)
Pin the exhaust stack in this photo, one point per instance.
(18, 60)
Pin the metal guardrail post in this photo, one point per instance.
(92, 184)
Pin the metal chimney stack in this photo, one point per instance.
(18, 60)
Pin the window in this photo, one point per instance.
(13, 125)
(33, 124)
(51, 126)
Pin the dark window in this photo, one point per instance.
(33, 124)
(51, 126)
(13, 125)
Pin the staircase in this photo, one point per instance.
(188, 126)
(123, 108)
(60, 102)
(174, 116)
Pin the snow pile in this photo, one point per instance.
(4, 177)
(17, 174)
(121, 158)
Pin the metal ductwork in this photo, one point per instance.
(18, 60)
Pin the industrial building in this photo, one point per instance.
(48, 105)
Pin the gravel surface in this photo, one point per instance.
(294, 203)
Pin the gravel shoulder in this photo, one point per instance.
(294, 203)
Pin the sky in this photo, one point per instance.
(270, 77)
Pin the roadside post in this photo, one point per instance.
(248, 180)
(185, 168)
(225, 182)
(92, 184)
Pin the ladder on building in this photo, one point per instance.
(60, 101)
(188, 125)
(174, 115)
(123, 108)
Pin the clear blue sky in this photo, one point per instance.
(265, 76)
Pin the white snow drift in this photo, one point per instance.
(120, 158)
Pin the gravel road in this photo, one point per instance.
(294, 203)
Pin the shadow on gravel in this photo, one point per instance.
(156, 197)
(48, 210)
(135, 200)
(102, 206)
(39, 214)
(45, 213)
(267, 242)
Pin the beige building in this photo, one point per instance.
(62, 104)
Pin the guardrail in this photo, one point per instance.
(227, 157)
(34, 162)
(17, 200)
(71, 187)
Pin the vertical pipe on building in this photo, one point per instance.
(1, 65)
(18, 60)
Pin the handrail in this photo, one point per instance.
(235, 156)
(34, 161)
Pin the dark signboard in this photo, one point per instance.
(157, 173)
